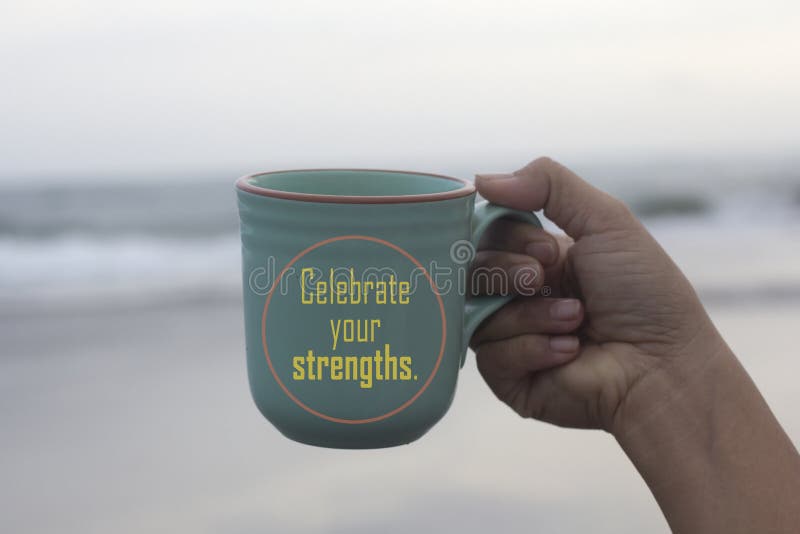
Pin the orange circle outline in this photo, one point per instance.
(300, 403)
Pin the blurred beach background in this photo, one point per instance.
(124, 404)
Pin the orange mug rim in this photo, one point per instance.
(466, 189)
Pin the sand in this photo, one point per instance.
(140, 420)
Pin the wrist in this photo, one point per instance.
(705, 442)
(682, 391)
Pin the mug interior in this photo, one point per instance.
(355, 185)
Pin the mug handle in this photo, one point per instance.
(480, 307)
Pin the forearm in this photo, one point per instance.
(712, 452)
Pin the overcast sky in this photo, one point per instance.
(190, 85)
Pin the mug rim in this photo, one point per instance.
(466, 189)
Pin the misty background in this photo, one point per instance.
(92, 88)
(123, 394)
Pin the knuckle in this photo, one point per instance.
(619, 211)
(481, 360)
(530, 344)
(481, 257)
(524, 310)
(619, 206)
(544, 161)
(531, 313)
(476, 340)
(553, 240)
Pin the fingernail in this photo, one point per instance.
(492, 176)
(564, 343)
(543, 251)
(565, 310)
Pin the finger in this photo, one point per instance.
(574, 205)
(556, 275)
(517, 356)
(530, 316)
(521, 238)
(494, 272)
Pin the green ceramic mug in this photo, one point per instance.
(355, 302)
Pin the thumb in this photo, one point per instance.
(573, 204)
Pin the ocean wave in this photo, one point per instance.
(71, 267)
(671, 205)
(165, 211)
(145, 242)
(206, 210)
(729, 261)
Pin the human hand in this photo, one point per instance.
(621, 319)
